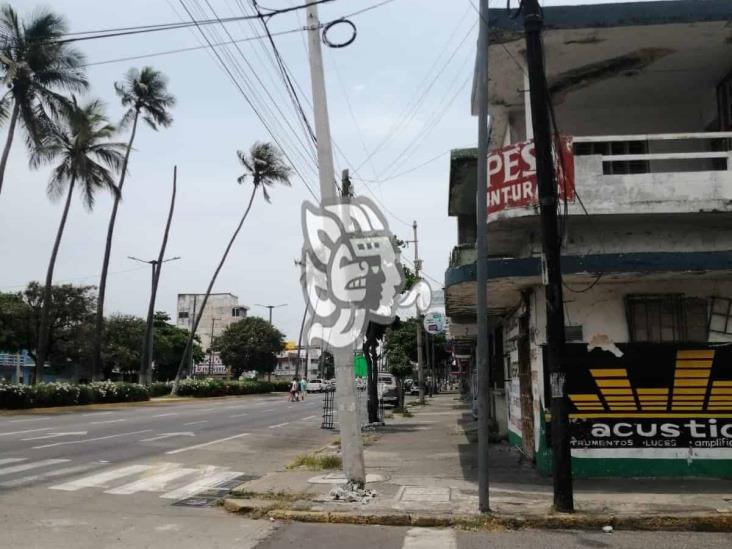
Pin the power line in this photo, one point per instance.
(248, 100)
(127, 31)
(409, 170)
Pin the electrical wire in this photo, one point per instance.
(249, 101)
(409, 170)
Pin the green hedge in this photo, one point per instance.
(14, 397)
(66, 394)
(218, 387)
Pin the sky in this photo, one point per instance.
(406, 53)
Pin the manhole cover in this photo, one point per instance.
(420, 494)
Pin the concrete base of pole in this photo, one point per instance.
(350, 424)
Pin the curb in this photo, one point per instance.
(490, 522)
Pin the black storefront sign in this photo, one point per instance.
(652, 396)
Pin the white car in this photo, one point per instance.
(387, 388)
(315, 386)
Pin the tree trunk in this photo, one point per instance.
(8, 143)
(97, 365)
(43, 335)
(146, 366)
(197, 319)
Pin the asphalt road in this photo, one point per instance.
(146, 475)
(330, 536)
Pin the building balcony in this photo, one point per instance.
(651, 174)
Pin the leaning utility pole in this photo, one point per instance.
(350, 426)
(420, 350)
(481, 248)
(548, 202)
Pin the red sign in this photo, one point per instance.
(512, 175)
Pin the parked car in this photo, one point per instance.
(387, 389)
(316, 386)
(414, 389)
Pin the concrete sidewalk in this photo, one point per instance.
(426, 466)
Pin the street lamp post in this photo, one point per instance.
(270, 307)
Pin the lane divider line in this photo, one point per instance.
(204, 444)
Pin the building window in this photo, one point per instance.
(183, 314)
(720, 316)
(664, 318)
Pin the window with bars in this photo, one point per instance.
(663, 318)
(720, 315)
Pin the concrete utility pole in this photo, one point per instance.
(350, 426)
(210, 345)
(420, 349)
(548, 200)
(193, 319)
(481, 248)
(145, 375)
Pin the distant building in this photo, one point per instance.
(287, 362)
(221, 311)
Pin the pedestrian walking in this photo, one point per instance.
(294, 388)
(303, 388)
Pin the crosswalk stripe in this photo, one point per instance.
(279, 425)
(429, 538)
(101, 479)
(22, 481)
(153, 483)
(32, 465)
(209, 481)
(11, 460)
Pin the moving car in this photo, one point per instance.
(316, 386)
(387, 389)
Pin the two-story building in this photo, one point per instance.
(642, 93)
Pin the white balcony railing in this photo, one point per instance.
(657, 153)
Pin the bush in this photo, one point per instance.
(217, 387)
(43, 395)
(159, 388)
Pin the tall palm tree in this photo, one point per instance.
(35, 66)
(80, 141)
(145, 94)
(265, 167)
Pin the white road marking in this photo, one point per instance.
(179, 450)
(55, 435)
(269, 410)
(307, 418)
(240, 415)
(106, 421)
(166, 415)
(168, 435)
(24, 432)
(33, 465)
(209, 481)
(153, 483)
(22, 481)
(91, 439)
(205, 409)
(29, 419)
(11, 460)
(101, 479)
(96, 414)
(429, 538)
(196, 422)
(279, 425)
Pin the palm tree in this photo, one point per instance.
(34, 65)
(265, 167)
(145, 94)
(80, 141)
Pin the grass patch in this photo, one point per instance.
(316, 462)
(369, 439)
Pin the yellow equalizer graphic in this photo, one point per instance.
(691, 380)
(688, 394)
